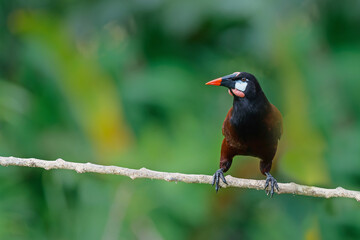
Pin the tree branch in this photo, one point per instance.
(291, 188)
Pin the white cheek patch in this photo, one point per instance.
(241, 86)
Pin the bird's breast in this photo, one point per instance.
(251, 139)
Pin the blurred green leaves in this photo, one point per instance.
(86, 89)
(304, 151)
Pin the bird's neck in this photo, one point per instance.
(249, 111)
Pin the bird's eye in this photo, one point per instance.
(243, 79)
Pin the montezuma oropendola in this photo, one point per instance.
(252, 127)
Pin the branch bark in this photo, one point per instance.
(291, 188)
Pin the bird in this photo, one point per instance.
(252, 127)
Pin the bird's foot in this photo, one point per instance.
(219, 174)
(270, 183)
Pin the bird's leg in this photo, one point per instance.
(225, 163)
(219, 174)
(271, 183)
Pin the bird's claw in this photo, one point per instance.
(219, 174)
(270, 182)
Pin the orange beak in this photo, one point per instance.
(215, 82)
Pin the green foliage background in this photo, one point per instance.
(122, 83)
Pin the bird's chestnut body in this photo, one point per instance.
(252, 126)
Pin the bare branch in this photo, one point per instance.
(291, 188)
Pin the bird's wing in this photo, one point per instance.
(274, 122)
(226, 124)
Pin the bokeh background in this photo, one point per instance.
(122, 83)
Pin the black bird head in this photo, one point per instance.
(240, 84)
